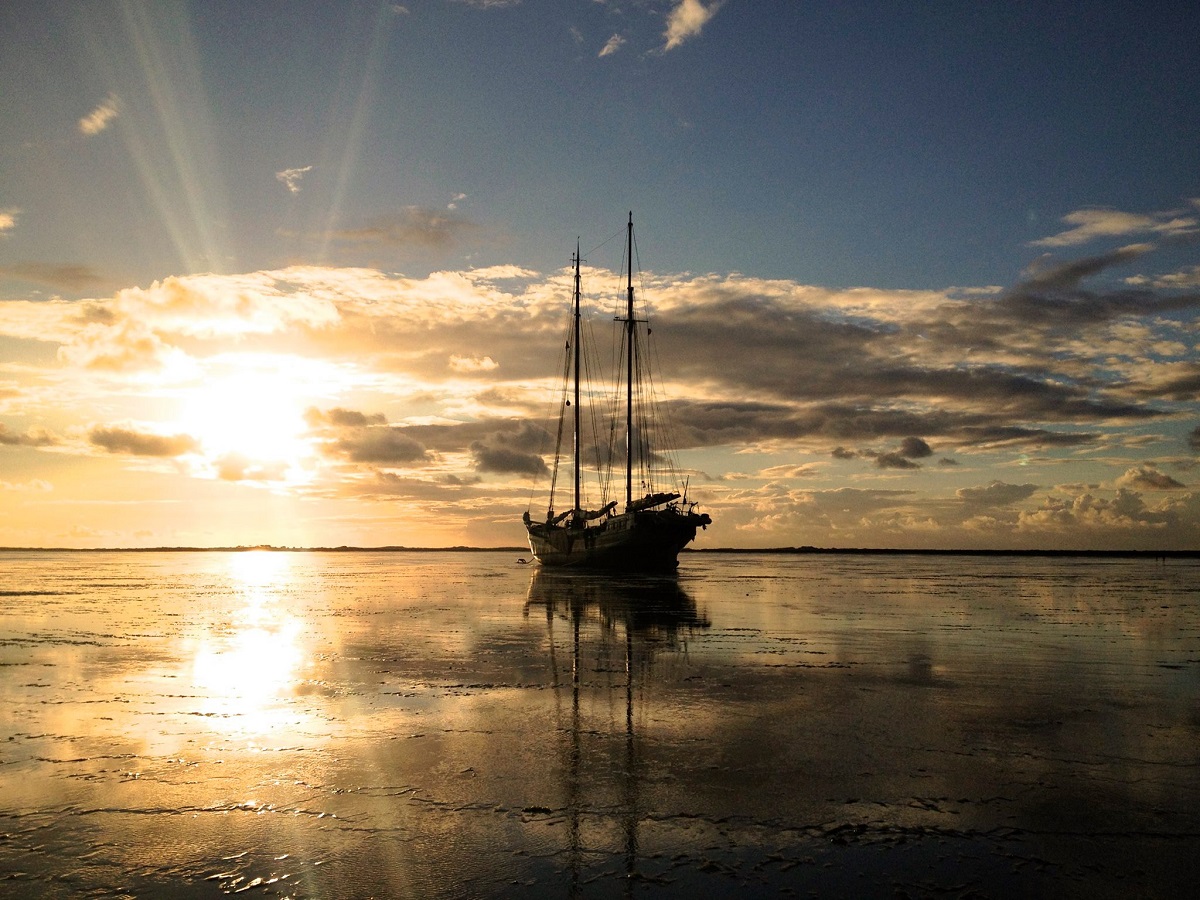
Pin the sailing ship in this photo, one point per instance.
(647, 532)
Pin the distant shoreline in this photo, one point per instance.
(805, 550)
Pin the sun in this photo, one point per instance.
(249, 420)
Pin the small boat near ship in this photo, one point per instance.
(647, 531)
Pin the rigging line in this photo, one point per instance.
(591, 371)
(565, 365)
(562, 418)
(596, 409)
(620, 232)
(663, 417)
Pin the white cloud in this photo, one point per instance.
(686, 21)
(612, 45)
(291, 178)
(8, 219)
(1147, 477)
(1091, 224)
(100, 117)
(1186, 278)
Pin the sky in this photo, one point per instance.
(296, 273)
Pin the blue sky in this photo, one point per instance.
(989, 210)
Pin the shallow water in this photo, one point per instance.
(452, 724)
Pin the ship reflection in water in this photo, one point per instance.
(618, 628)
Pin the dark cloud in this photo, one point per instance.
(1194, 439)
(914, 448)
(512, 451)
(997, 493)
(413, 225)
(895, 461)
(993, 436)
(136, 443)
(789, 354)
(343, 418)
(365, 437)
(1180, 383)
(699, 424)
(63, 277)
(34, 437)
(380, 444)
(1066, 276)
(902, 458)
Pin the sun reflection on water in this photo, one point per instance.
(247, 669)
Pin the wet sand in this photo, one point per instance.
(423, 725)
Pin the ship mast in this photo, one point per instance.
(629, 334)
(578, 347)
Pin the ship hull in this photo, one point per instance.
(647, 541)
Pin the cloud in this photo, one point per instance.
(62, 277)
(100, 117)
(8, 220)
(291, 178)
(144, 328)
(1193, 439)
(343, 418)
(33, 437)
(1068, 275)
(914, 448)
(365, 438)
(125, 346)
(512, 451)
(1183, 279)
(1122, 518)
(895, 461)
(1148, 478)
(140, 443)
(997, 493)
(412, 226)
(612, 45)
(901, 458)
(1029, 376)
(1091, 224)
(787, 472)
(686, 20)
(238, 467)
(381, 444)
(470, 364)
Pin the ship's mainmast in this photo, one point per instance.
(629, 335)
(577, 347)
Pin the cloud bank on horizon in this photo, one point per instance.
(319, 353)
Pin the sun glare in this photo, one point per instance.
(252, 419)
(248, 671)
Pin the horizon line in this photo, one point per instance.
(805, 549)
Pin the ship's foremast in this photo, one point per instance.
(575, 349)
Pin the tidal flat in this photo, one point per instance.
(452, 724)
